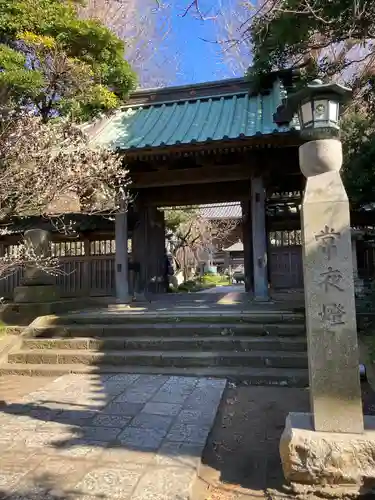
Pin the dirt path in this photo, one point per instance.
(241, 460)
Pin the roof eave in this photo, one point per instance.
(260, 141)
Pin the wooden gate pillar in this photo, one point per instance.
(121, 260)
(148, 249)
(247, 245)
(259, 239)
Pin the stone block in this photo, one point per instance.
(327, 462)
(165, 483)
(142, 439)
(36, 293)
(104, 482)
(38, 246)
(162, 409)
(23, 313)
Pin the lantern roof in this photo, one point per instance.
(316, 89)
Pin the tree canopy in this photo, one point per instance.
(333, 40)
(59, 64)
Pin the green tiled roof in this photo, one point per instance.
(195, 120)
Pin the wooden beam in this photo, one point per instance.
(187, 176)
(289, 140)
(201, 194)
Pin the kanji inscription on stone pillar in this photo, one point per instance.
(329, 292)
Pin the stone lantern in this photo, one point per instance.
(318, 107)
(329, 449)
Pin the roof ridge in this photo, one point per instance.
(186, 86)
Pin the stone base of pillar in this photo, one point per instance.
(139, 297)
(36, 293)
(119, 306)
(327, 463)
(267, 300)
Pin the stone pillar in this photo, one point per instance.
(247, 245)
(329, 448)
(38, 283)
(121, 269)
(259, 239)
(329, 291)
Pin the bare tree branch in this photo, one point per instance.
(194, 5)
(145, 26)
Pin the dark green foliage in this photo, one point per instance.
(330, 39)
(59, 63)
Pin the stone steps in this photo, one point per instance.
(149, 343)
(261, 347)
(157, 329)
(252, 376)
(180, 359)
(210, 316)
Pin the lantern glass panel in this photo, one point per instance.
(306, 114)
(333, 111)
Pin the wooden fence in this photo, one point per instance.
(86, 268)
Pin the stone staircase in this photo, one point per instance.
(260, 347)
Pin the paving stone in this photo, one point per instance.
(171, 395)
(172, 483)
(114, 483)
(13, 422)
(8, 480)
(124, 409)
(91, 437)
(55, 472)
(45, 414)
(179, 454)
(31, 492)
(120, 454)
(57, 428)
(169, 409)
(135, 395)
(185, 385)
(62, 495)
(203, 397)
(19, 409)
(111, 389)
(188, 433)
(154, 380)
(147, 421)
(76, 417)
(5, 446)
(80, 448)
(179, 380)
(142, 439)
(126, 378)
(111, 421)
(46, 440)
(211, 383)
(13, 462)
(105, 434)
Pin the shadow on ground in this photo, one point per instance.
(241, 459)
(102, 436)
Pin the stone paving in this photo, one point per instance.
(86, 437)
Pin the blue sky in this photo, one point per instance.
(199, 60)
